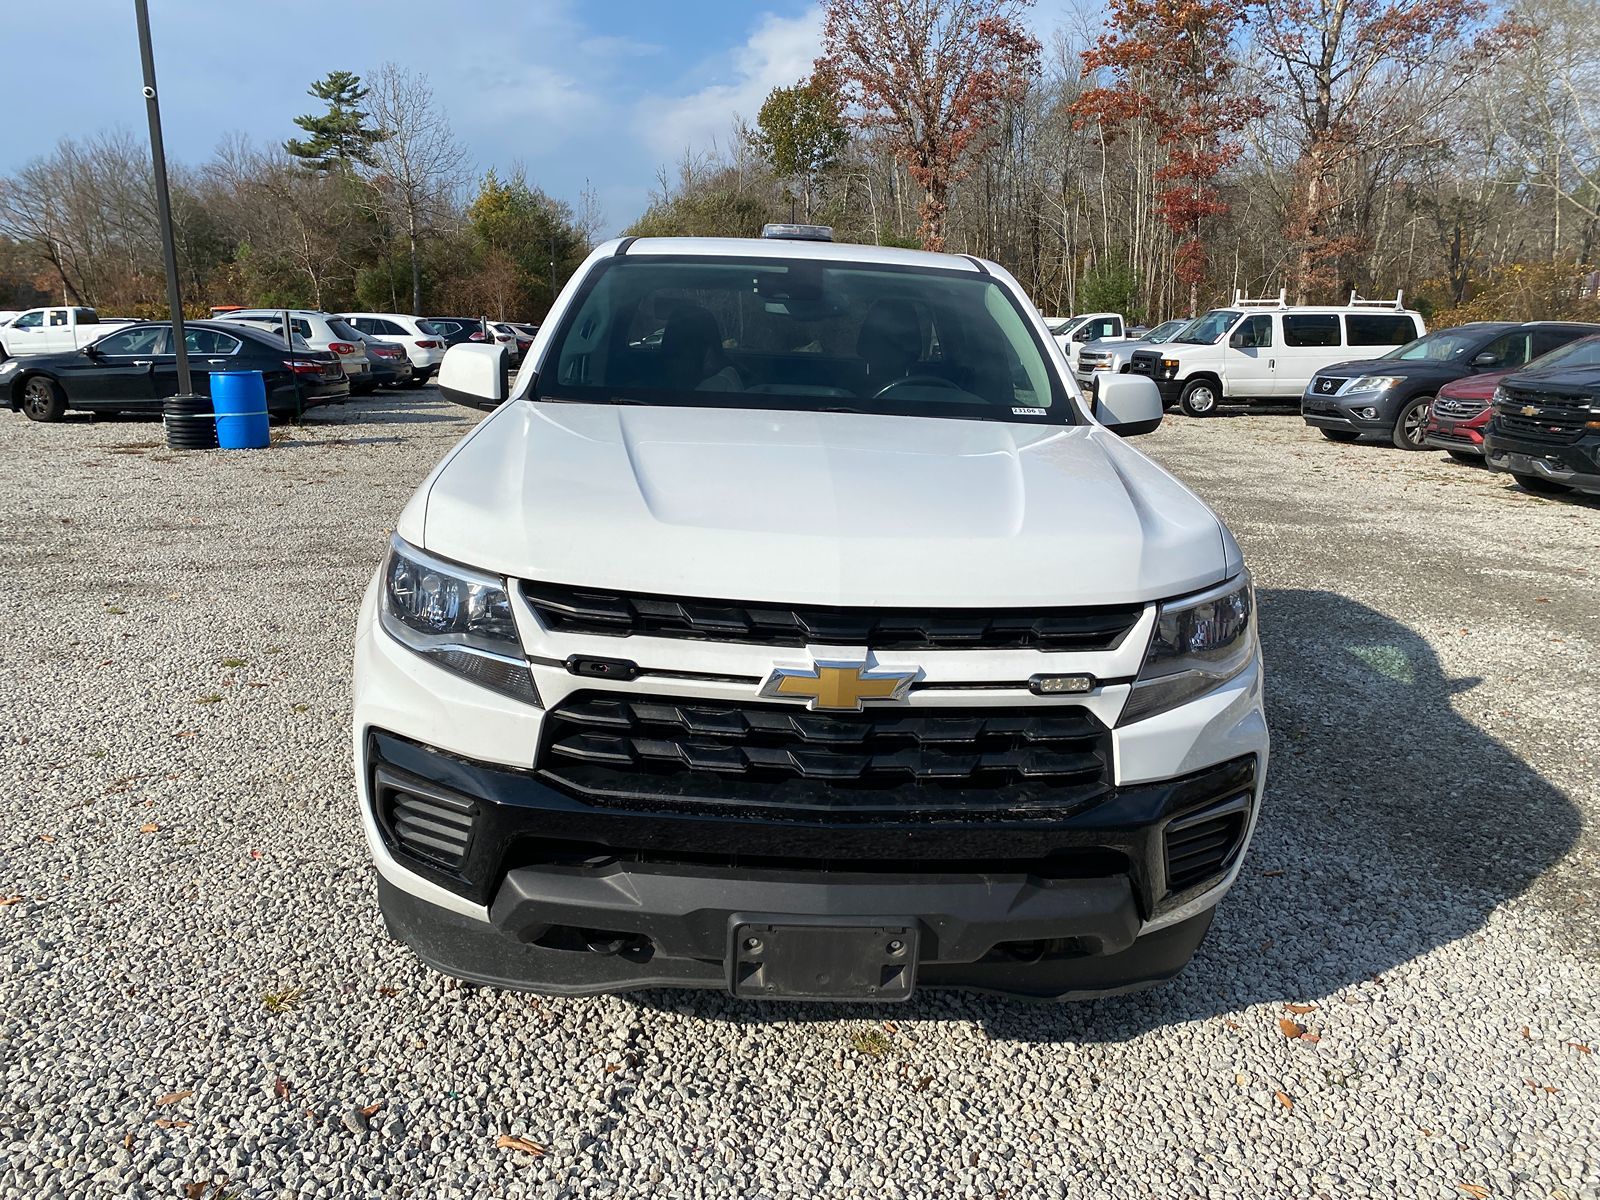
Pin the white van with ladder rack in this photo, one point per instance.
(1268, 350)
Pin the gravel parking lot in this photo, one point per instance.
(195, 986)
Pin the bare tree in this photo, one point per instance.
(420, 163)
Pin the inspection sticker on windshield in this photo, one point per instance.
(1030, 412)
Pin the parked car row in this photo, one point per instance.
(55, 359)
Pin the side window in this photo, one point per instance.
(1105, 327)
(301, 326)
(1311, 329)
(209, 341)
(1546, 340)
(1254, 333)
(1508, 350)
(58, 316)
(388, 328)
(31, 320)
(1378, 329)
(133, 341)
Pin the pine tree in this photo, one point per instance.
(340, 138)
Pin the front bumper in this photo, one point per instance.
(1342, 412)
(1574, 464)
(1462, 437)
(558, 894)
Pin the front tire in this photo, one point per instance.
(1541, 485)
(1200, 398)
(1340, 435)
(43, 400)
(1411, 424)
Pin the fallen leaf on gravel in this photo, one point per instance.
(1476, 1190)
(194, 1191)
(1271, 874)
(1283, 1099)
(149, 827)
(127, 1140)
(280, 1088)
(1310, 1037)
(1527, 1034)
(507, 1142)
(1541, 1087)
(1290, 1029)
(613, 1068)
(255, 854)
(174, 1097)
(1541, 599)
(1299, 1009)
(5, 900)
(1581, 1048)
(47, 838)
(184, 733)
(371, 1110)
(387, 992)
(923, 1084)
(167, 1124)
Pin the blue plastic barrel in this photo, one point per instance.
(239, 398)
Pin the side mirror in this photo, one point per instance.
(473, 374)
(1239, 342)
(89, 351)
(1129, 404)
(1484, 361)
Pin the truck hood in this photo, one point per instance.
(818, 508)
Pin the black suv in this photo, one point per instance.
(1545, 428)
(1391, 395)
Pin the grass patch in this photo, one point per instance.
(116, 610)
(287, 1000)
(234, 663)
(210, 698)
(300, 708)
(871, 1041)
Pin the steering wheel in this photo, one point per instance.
(938, 381)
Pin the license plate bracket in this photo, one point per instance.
(816, 958)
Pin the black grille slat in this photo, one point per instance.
(434, 827)
(601, 747)
(1557, 419)
(618, 614)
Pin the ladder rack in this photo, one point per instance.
(1281, 300)
(1397, 303)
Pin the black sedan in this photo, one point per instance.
(1391, 395)
(134, 369)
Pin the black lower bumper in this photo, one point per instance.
(1575, 464)
(485, 953)
(588, 898)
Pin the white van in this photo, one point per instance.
(1269, 350)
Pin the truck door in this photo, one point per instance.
(1311, 341)
(115, 371)
(25, 335)
(58, 331)
(1247, 360)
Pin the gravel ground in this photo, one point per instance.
(195, 986)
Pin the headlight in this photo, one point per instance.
(1199, 644)
(456, 618)
(1373, 383)
(9, 366)
(1169, 368)
(1500, 396)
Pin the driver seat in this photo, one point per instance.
(890, 342)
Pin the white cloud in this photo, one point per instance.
(778, 52)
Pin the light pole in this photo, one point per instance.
(158, 159)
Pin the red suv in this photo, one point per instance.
(1460, 411)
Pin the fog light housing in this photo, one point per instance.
(1366, 414)
(1061, 685)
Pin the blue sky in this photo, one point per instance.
(605, 90)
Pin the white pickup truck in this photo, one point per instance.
(52, 330)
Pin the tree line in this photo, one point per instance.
(1152, 157)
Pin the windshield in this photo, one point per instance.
(1582, 353)
(1445, 346)
(1165, 331)
(1209, 329)
(801, 335)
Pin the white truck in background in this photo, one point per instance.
(53, 330)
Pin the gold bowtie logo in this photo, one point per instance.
(837, 687)
(1529, 410)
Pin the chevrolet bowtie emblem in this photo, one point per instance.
(1529, 410)
(837, 687)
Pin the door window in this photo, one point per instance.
(147, 340)
(1546, 340)
(1254, 333)
(1508, 350)
(31, 320)
(58, 316)
(1311, 329)
(210, 341)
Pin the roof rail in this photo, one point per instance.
(1397, 303)
(1281, 300)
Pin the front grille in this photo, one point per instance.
(1458, 410)
(620, 614)
(1144, 363)
(1324, 386)
(427, 823)
(604, 747)
(1201, 845)
(1556, 419)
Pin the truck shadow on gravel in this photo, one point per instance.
(1391, 827)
